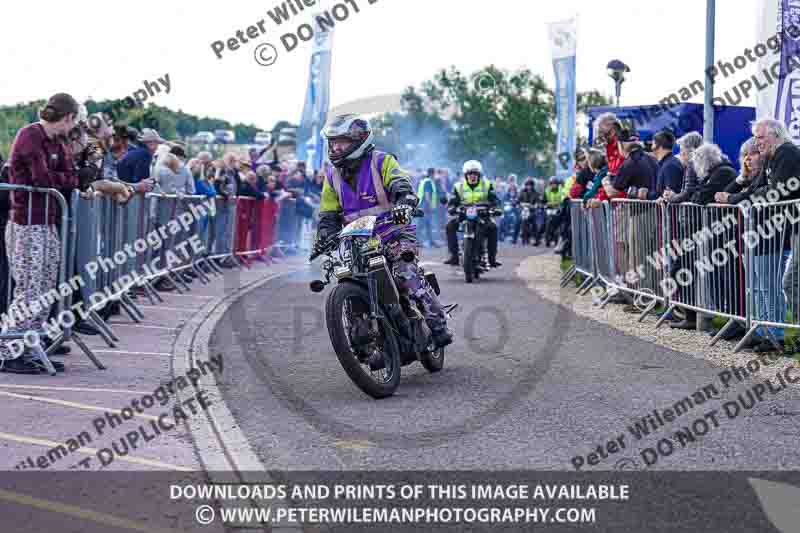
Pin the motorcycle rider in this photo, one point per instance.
(364, 181)
(554, 195)
(473, 189)
(529, 195)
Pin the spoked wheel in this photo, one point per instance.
(370, 358)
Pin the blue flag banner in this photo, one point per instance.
(563, 36)
(310, 144)
(780, 20)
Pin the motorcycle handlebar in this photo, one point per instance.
(329, 245)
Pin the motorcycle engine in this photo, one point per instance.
(360, 334)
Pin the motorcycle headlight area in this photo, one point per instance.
(345, 252)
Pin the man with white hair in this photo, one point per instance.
(714, 173)
(781, 183)
(687, 146)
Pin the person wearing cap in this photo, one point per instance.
(39, 157)
(135, 166)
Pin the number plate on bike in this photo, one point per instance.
(472, 212)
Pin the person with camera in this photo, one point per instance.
(473, 189)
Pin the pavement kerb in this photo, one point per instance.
(220, 445)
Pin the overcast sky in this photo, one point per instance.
(105, 50)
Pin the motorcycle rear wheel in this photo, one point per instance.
(346, 302)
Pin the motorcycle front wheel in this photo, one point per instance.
(469, 260)
(347, 304)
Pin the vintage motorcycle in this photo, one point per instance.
(374, 328)
(474, 218)
(527, 222)
(552, 227)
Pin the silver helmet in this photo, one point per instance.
(353, 128)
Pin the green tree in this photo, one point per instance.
(504, 118)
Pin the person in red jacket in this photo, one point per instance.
(39, 157)
(609, 129)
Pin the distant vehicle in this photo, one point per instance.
(225, 136)
(263, 138)
(287, 136)
(203, 137)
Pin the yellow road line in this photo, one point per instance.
(72, 389)
(182, 309)
(74, 404)
(79, 512)
(115, 324)
(93, 451)
(129, 352)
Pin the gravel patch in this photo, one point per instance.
(542, 274)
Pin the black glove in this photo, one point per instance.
(402, 213)
(318, 247)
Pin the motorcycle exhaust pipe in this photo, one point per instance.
(399, 317)
(317, 285)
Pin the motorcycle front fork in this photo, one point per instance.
(374, 308)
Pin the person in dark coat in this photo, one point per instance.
(714, 174)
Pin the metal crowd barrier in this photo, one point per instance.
(733, 262)
(706, 262)
(639, 232)
(106, 253)
(287, 226)
(21, 319)
(602, 245)
(582, 247)
(771, 277)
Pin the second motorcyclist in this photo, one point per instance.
(472, 190)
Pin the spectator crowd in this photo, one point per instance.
(70, 150)
(686, 172)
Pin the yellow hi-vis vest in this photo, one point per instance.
(421, 193)
(480, 194)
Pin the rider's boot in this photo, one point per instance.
(442, 338)
(452, 260)
(410, 278)
(434, 315)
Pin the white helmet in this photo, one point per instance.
(354, 128)
(472, 166)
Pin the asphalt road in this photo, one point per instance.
(527, 385)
